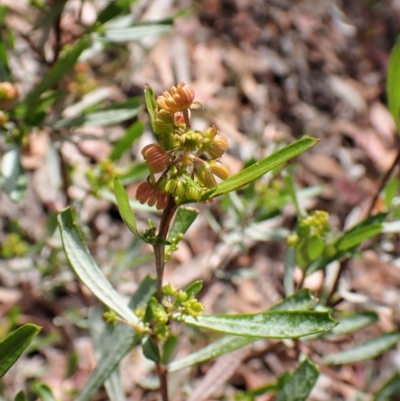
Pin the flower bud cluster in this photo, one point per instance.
(186, 160)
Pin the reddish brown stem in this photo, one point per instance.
(383, 182)
(159, 249)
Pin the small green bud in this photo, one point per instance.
(161, 330)
(110, 316)
(193, 307)
(169, 290)
(293, 240)
(181, 296)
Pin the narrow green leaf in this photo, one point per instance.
(111, 10)
(184, 218)
(260, 168)
(150, 349)
(122, 35)
(87, 270)
(4, 69)
(101, 334)
(43, 391)
(169, 348)
(123, 144)
(57, 72)
(389, 389)
(368, 350)
(20, 397)
(315, 246)
(14, 345)
(119, 342)
(355, 237)
(194, 288)
(14, 180)
(114, 114)
(124, 207)
(275, 324)
(151, 103)
(301, 300)
(393, 83)
(219, 347)
(356, 321)
(299, 386)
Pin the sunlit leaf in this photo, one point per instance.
(87, 270)
(260, 168)
(122, 35)
(301, 300)
(357, 236)
(393, 83)
(275, 324)
(14, 345)
(117, 344)
(114, 114)
(101, 334)
(354, 322)
(368, 350)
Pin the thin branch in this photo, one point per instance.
(383, 182)
(159, 249)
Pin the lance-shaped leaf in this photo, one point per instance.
(122, 35)
(151, 103)
(43, 391)
(299, 386)
(14, 179)
(62, 66)
(14, 345)
(124, 207)
(368, 350)
(356, 321)
(123, 144)
(301, 300)
(389, 389)
(102, 117)
(261, 167)
(393, 83)
(87, 270)
(275, 324)
(101, 334)
(127, 215)
(117, 343)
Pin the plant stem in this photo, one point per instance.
(383, 182)
(162, 376)
(159, 249)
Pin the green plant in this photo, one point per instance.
(178, 176)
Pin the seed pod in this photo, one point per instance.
(205, 176)
(177, 99)
(192, 194)
(156, 157)
(217, 147)
(219, 169)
